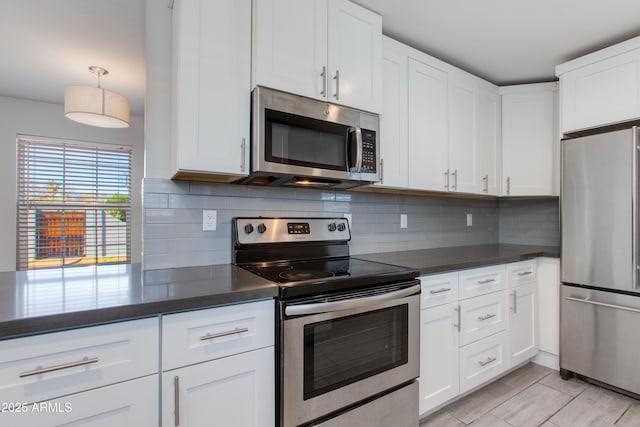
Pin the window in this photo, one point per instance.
(74, 203)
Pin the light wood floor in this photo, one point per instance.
(536, 396)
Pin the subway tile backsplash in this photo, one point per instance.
(529, 222)
(173, 235)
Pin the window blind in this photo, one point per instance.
(74, 203)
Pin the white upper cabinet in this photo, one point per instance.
(601, 88)
(290, 46)
(428, 132)
(393, 120)
(489, 139)
(463, 133)
(325, 49)
(529, 140)
(211, 88)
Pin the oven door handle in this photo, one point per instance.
(349, 304)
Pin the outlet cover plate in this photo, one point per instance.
(209, 220)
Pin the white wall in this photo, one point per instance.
(19, 116)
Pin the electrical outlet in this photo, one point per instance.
(469, 220)
(209, 220)
(349, 218)
(403, 220)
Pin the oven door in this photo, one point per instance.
(346, 350)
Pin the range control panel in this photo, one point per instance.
(281, 230)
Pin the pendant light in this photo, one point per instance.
(96, 106)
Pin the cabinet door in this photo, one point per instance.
(290, 46)
(393, 121)
(602, 93)
(127, 404)
(211, 79)
(463, 142)
(428, 132)
(528, 141)
(233, 391)
(488, 139)
(354, 56)
(522, 325)
(439, 379)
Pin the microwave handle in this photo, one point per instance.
(358, 133)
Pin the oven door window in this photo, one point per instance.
(301, 141)
(345, 350)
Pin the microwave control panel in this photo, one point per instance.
(369, 162)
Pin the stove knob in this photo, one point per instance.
(248, 228)
(261, 228)
(342, 227)
(332, 226)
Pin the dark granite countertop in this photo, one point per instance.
(62, 298)
(438, 260)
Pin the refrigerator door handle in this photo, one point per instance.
(603, 304)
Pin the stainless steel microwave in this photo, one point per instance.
(304, 142)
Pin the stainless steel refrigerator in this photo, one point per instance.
(600, 293)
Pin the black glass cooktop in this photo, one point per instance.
(303, 278)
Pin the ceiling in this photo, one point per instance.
(49, 44)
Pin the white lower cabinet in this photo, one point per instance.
(438, 355)
(219, 367)
(233, 391)
(475, 324)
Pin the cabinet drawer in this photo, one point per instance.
(47, 366)
(128, 404)
(480, 281)
(198, 336)
(438, 289)
(482, 316)
(482, 361)
(522, 273)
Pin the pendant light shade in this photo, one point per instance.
(96, 106)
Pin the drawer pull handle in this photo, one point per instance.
(439, 291)
(487, 317)
(223, 334)
(40, 370)
(525, 273)
(176, 401)
(485, 281)
(486, 362)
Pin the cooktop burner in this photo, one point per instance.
(307, 256)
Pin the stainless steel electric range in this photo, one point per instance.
(348, 329)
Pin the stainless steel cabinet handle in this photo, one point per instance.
(485, 281)
(176, 401)
(243, 147)
(459, 317)
(348, 304)
(603, 304)
(525, 273)
(486, 183)
(486, 362)
(323, 74)
(446, 179)
(40, 370)
(337, 79)
(508, 185)
(223, 334)
(439, 291)
(515, 302)
(454, 174)
(487, 317)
